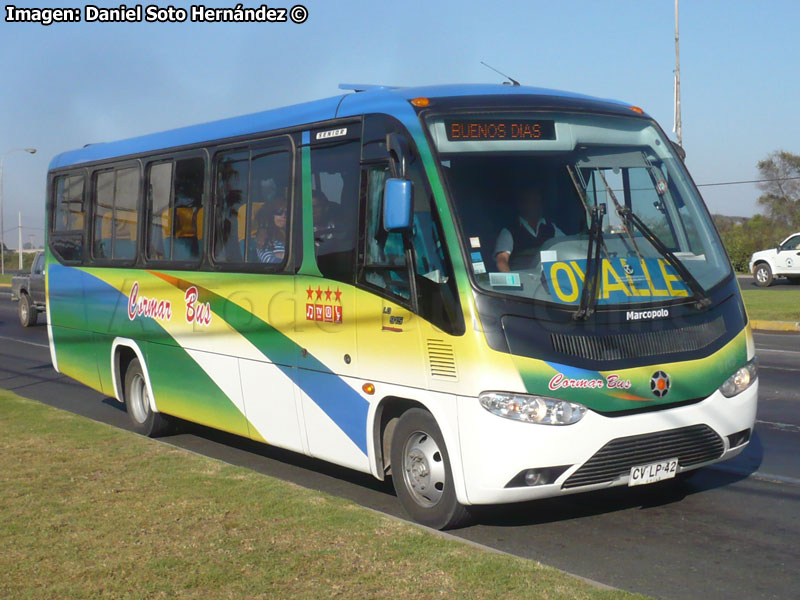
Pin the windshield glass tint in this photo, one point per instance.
(525, 188)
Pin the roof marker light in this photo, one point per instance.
(637, 110)
(420, 102)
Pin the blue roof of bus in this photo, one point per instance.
(374, 99)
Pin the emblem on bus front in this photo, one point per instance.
(659, 384)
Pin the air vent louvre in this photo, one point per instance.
(637, 345)
(442, 360)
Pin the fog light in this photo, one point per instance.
(533, 477)
(737, 439)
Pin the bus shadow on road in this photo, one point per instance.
(588, 504)
(285, 464)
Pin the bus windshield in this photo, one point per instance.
(549, 201)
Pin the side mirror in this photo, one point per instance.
(397, 205)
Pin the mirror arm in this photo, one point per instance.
(412, 277)
(398, 150)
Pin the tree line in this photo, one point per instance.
(780, 210)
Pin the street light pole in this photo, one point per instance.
(678, 126)
(2, 221)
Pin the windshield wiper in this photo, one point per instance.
(591, 278)
(699, 294)
(593, 258)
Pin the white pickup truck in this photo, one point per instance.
(781, 261)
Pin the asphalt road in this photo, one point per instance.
(729, 532)
(746, 282)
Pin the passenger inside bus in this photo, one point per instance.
(270, 242)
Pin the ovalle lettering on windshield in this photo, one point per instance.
(620, 280)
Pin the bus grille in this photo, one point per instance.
(637, 345)
(690, 445)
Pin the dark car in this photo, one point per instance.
(29, 290)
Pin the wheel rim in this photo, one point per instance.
(23, 310)
(138, 400)
(423, 469)
(761, 275)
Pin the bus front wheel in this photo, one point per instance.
(421, 472)
(137, 399)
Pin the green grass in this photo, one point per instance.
(89, 511)
(773, 305)
(6, 278)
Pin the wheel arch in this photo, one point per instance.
(765, 261)
(123, 351)
(381, 427)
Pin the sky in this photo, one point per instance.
(69, 84)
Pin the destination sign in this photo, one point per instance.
(465, 130)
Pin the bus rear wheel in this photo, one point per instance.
(137, 399)
(421, 472)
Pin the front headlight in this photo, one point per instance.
(741, 380)
(532, 409)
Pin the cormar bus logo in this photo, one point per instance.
(161, 310)
(637, 315)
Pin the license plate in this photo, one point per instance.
(657, 471)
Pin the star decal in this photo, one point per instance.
(328, 293)
(310, 293)
(338, 295)
(319, 293)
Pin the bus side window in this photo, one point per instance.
(232, 182)
(335, 173)
(67, 218)
(174, 208)
(116, 213)
(384, 254)
(159, 182)
(251, 205)
(69, 204)
(385, 265)
(126, 213)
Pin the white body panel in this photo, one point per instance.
(270, 404)
(502, 448)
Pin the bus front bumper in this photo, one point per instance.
(501, 451)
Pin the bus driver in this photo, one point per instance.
(529, 232)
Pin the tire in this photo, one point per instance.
(421, 472)
(763, 275)
(27, 313)
(137, 400)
